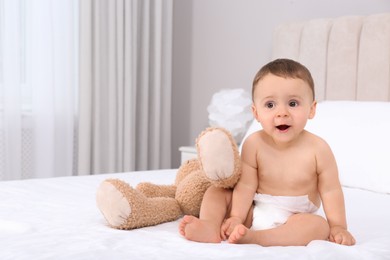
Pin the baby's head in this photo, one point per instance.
(285, 68)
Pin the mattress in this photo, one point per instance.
(57, 218)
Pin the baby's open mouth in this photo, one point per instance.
(283, 127)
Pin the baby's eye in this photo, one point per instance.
(293, 103)
(270, 104)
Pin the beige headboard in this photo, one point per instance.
(349, 57)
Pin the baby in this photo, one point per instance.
(286, 173)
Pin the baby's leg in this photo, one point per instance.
(299, 230)
(206, 228)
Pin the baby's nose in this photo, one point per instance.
(282, 111)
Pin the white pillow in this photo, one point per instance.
(255, 126)
(359, 134)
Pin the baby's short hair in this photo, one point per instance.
(285, 68)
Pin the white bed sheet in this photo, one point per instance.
(58, 219)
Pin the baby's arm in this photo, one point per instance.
(332, 196)
(244, 190)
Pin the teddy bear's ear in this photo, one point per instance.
(219, 157)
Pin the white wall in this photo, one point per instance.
(222, 43)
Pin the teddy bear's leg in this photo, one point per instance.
(190, 191)
(219, 157)
(187, 168)
(152, 190)
(126, 208)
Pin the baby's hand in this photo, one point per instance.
(341, 236)
(228, 226)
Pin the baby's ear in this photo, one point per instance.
(313, 108)
(254, 112)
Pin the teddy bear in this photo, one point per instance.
(218, 163)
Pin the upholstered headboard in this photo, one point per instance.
(349, 57)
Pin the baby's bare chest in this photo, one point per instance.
(288, 170)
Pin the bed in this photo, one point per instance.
(349, 57)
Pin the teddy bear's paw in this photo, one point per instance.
(219, 157)
(112, 203)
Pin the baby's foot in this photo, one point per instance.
(241, 235)
(198, 230)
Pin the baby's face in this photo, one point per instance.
(283, 106)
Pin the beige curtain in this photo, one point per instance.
(125, 85)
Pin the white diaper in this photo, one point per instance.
(272, 211)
